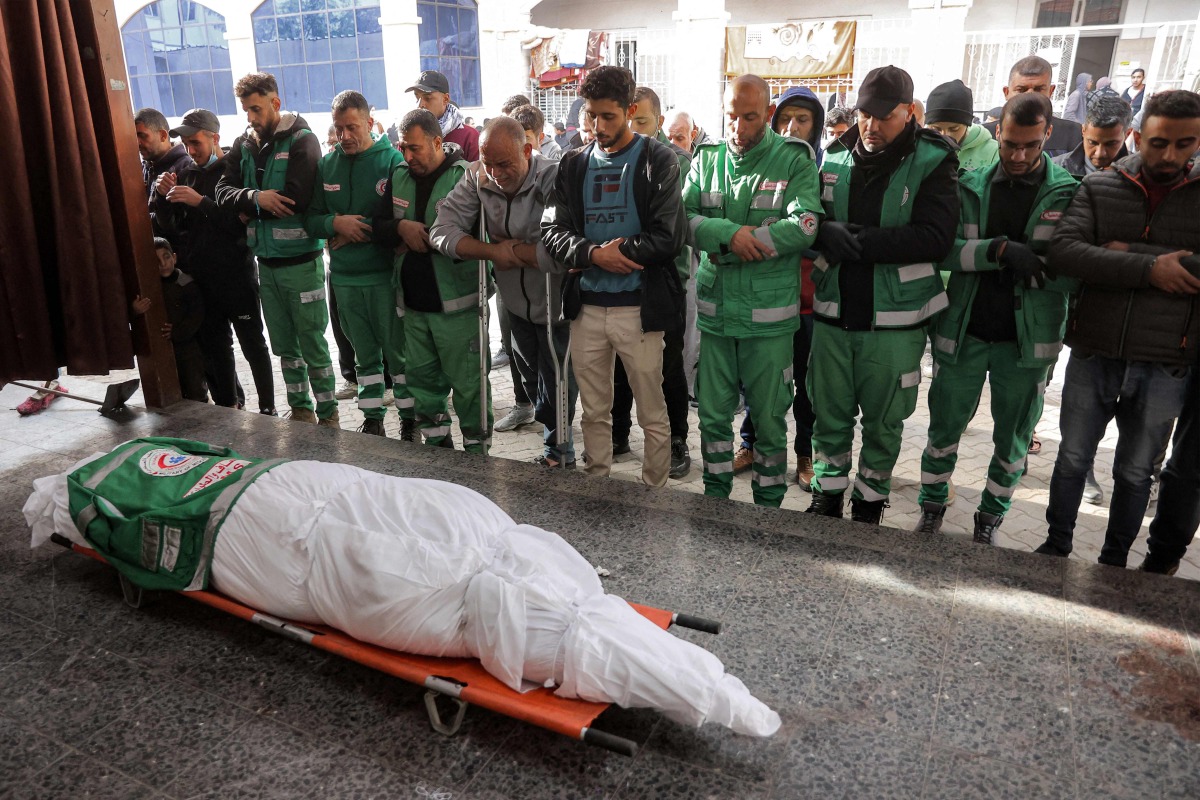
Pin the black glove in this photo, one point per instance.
(1022, 262)
(838, 242)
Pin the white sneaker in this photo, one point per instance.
(1092, 493)
(389, 399)
(516, 416)
(927, 365)
(349, 391)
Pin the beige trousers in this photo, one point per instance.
(598, 335)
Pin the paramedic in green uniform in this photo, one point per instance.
(1006, 318)
(353, 178)
(890, 190)
(437, 296)
(269, 178)
(753, 207)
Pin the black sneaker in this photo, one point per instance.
(931, 517)
(1158, 566)
(373, 427)
(681, 460)
(408, 430)
(620, 446)
(868, 511)
(827, 505)
(985, 527)
(268, 412)
(1051, 548)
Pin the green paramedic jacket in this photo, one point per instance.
(353, 185)
(905, 294)
(774, 189)
(153, 507)
(1041, 313)
(458, 281)
(277, 238)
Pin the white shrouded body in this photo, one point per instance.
(433, 568)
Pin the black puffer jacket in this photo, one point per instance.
(659, 199)
(1118, 314)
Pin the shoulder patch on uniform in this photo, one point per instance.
(333, 187)
(1052, 216)
(399, 201)
(808, 223)
(282, 156)
(381, 186)
(163, 463)
(829, 177)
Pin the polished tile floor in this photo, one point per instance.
(903, 666)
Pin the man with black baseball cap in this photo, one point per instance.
(890, 192)
(211, 249)
(433, 94)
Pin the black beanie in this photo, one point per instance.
(950, 102)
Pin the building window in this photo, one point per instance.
(317, 48)
(1066, 13)
(178, 59)
(450, 44)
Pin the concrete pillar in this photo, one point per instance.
(699, 61)
(239, 32)
(402, 52)
(938, 43)
(503, 65)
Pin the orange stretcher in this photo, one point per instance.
(463, 681)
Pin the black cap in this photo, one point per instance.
(883, 89)
(950, 102)
(431, 81)
(198, 119)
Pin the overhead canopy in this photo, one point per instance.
(792, 50)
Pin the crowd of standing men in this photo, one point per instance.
(762, 269)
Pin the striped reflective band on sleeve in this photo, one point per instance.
(313, 296)
(913, 272)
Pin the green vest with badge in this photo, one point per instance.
(458, 281)
(153, 507)
(905, 294)
(271, 237)
(1041, 312)
(773, 188)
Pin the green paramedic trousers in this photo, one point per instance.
(294, 307)
(1016, 407)
(442, 353)
(369, 320)
(877, 372)
(764, 367)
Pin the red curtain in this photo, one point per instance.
(63, 292)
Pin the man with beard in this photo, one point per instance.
(269, 178)
(159, 157)
(890, 191)
(753, 207)
(616, 219)
(1129, 237)
(1109, 122)
(1034, 74)
(438, 295)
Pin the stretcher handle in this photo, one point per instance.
(697, 623)
(616, 744)
(61, 540)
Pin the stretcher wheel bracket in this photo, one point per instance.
(131, 593)
(435, 715)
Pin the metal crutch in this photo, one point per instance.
(562, 378)
(484, 343)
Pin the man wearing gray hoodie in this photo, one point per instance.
(509, 187)
(1076, 109)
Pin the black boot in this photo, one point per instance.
(1054, 547)
(868, 511)
(1158, 566)
(408, 430)
(373, 427)
(985, 527)
(931, 517)
(827, 505)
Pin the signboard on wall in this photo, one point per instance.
(791, 50)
